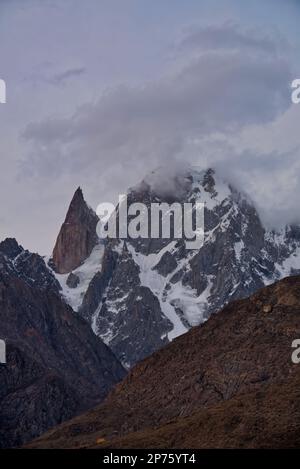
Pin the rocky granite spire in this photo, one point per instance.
(77, 236)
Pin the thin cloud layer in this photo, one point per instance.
(230, 35)
(63, 77)
(132, 130)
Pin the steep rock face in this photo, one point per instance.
(131, 311)
(33, 399)
(92, 299)
(27, 265)
(72, 280)
(226, 379)
(238, 257)
(77, 236)
(10, 248)
(56, 367)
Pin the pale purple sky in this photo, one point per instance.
(101, 92)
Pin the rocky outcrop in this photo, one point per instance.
(56, 367)
(73, 280)
(227, 383)
(33, 399)
(10, 248)
(77, 236)
(96, 290)
(130, 318)
(28, 266)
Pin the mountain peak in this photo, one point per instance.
(77, 236)
(77, 205)
(78, 194)
(10, 248)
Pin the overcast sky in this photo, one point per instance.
(100, 92)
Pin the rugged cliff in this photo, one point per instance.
(56, 367)
(77, 236)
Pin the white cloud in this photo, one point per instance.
(216, 92)
(131, 130)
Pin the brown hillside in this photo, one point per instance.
(229, 382)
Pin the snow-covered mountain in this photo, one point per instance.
(139, 294)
